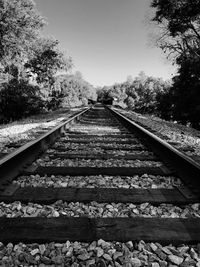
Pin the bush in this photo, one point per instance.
(19, 99)
(55, 100)
(164, 105)
(130, 102)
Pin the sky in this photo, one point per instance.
(108, 40)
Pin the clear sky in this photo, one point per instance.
(107, 39)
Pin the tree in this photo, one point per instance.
(118, 91)
(180, 37)
(103, 93)
(20, 24)
(19, 99)
(75, 90)
(139, 94)
(179, 22)
(129, 79)
(142, 93)
(47, 61)
(186, 92)
(165, 104)
(45, 64)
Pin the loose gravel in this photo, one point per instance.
(21, 134)
(101, 138)
(47, 161)
(98, 145)
(96, 210)
(96, 150)
(145, 181)
(28, 129)
(99, 151)
(99, 254)
(184, 138)
(94, 129)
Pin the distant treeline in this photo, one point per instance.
(146, 94)
(143, 94)
(30, 65)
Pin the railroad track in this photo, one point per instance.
(101, 144)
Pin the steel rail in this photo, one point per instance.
(12, 164)
(186, 168)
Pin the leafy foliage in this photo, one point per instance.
(30, 64)
(47, 61)
(139, 94)
(19, 99)
(180, 24)
(186, 93)
(180, 38)
(75, 90)
(20, 24)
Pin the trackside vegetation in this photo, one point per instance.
(30, 66)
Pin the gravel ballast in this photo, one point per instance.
(95, 129)
(95, 210)
(99, 151)
(99, 254)
(144, 181)
(95, 150)
(184, 138)
(24, 133)
(27, 130)
(98, 145)
(101, 138)
(47, 161)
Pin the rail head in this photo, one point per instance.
(187, 168)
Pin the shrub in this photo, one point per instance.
(130, 102)
(19, 99)
(164, 105)
(55, 100)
